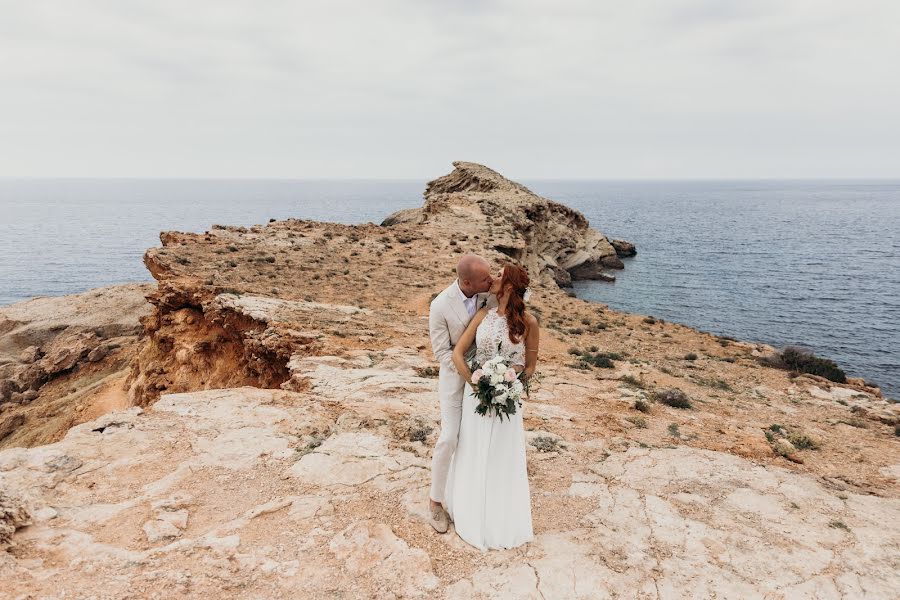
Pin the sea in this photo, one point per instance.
(814, 263)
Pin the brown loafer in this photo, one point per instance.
(440, 520)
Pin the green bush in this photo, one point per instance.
(673, 397)
(632, 380)
(719, 384)
(798, 359)
(803, 442)
(545, 444)
(602, 360)
(598, 360)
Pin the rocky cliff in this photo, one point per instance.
(553, 241)
(64, 360)
(234, 304)
(284, 411)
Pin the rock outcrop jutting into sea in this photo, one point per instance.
(284, 409)
(553, 241)
(229, 301)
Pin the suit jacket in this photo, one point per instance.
(448, 319)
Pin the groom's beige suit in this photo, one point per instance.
(447, 320)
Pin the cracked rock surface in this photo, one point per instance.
(273, 493)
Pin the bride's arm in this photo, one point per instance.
(466, 340)
(532, 340)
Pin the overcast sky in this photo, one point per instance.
(399, 89)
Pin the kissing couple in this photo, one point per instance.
(478, 469)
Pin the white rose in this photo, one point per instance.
(496, 378)
(500, 398)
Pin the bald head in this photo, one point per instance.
(471, 265)
(474, 274)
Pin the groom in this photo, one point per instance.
(450, 314)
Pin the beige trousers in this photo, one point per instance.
(450, 392)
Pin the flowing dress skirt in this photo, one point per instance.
(487, 485)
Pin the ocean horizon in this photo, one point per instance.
(803, 262)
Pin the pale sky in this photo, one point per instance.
(400, 88)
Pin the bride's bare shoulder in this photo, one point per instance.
(531, 320)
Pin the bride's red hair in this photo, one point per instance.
(516, 279)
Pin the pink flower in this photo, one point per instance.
(510, 375)
(477, 375)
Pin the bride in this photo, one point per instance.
(487, 485)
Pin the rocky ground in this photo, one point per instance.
(284, 408)
(64, 360)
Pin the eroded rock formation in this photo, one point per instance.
(212, 325)
(60, 356)
(552, 240)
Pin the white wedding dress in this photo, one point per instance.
(487, 492)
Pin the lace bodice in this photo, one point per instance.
(493, 331)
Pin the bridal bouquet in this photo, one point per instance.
(498, 387)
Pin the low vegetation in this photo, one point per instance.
(719, 384)
(632, 381)
(800, 360)
(672, 397)
(420, 433)
(314, 442)
(593, 358)
(786, 442)
(430, 371)
(639, 422)
(545, 444)
(801, 441)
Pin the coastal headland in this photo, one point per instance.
(259, 423)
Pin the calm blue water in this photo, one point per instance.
(810, 263)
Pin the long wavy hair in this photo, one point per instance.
(516, 279)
